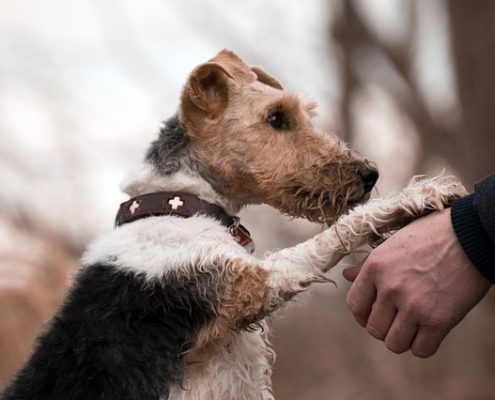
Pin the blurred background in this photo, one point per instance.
(84, 86)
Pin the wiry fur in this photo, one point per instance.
(174, 308)
(169, 153)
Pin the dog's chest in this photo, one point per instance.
(237, 368)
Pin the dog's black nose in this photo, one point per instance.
(369, 177)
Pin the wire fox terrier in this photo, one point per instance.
(171, 303)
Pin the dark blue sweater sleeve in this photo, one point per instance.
(473, 219)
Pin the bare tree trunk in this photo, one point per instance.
(347, 32)
(473, 47)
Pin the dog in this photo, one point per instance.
(172, 303)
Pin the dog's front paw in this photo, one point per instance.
(423, 195)
(379, 218)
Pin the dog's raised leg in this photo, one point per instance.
(254, 288)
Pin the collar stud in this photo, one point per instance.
(176, 202)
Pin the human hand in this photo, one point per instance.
(415, 287)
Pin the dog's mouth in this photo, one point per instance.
(349, 206)
(323, 196)
(354, 203)
(323, 206)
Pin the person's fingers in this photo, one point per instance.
(380, 319)
(361, 297)
(402, 333)
(427, 341)
(351, 273)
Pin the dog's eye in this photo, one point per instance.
(278, 121)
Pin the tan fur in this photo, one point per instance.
(266, 78)
(243, 299)
(300, 171)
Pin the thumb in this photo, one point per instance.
(351, 273)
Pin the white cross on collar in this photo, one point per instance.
(134, 207)
(176, 202)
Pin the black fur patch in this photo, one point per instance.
(169, 153)
(117, 336)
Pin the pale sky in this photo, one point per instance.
(84, 86)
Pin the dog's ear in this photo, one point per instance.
(266, 78)
(206, 93)
(238, 69)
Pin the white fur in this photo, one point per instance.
(156, 245)
(240, 367)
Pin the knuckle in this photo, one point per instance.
(375, 332)
(413, 308)
(395, 347)
(422, 353)
(438, 322)
(391, 290)
(358, 313)
(428, 344)
(373, 264)
(351, 304)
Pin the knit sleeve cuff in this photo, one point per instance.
(473, 238)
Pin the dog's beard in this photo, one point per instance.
(322, 193)
(321, 206)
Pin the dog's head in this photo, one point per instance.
(255, 142)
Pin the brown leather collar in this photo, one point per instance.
(183, 205)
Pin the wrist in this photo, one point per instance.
(473, 239)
